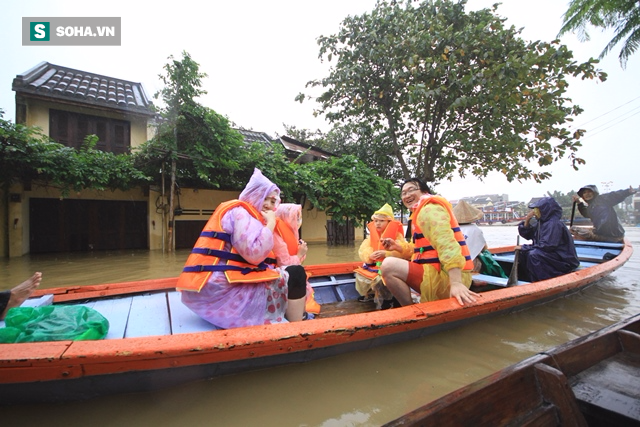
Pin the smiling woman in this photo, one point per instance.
(440, 266)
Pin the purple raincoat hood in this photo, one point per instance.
(258, 188)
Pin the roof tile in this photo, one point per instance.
(59, 82)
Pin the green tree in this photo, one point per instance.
(26, 154)
(194, 143)
(345, 188)
(209, 153)
(182, 83)
(351, 139)
(445, 92)
(274, 164)
(623, 16)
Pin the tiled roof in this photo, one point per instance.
(252, 136)
(300, 147)
(63, 83)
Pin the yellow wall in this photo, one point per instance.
(16, 225)
(199, 204)
(196, 205)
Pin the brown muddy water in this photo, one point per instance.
(365, 388)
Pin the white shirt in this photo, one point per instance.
(474, 237)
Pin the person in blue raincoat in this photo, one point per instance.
(552, 252)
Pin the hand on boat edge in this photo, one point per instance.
(462, 294)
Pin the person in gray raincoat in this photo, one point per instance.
(552, 252)
(599, 208)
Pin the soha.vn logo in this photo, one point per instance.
(39, 31)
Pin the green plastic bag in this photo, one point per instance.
(53, 323)
(490, 266)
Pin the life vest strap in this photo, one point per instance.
(224, 267)
(228, 255)
(434, 260)
(218, 254)
(417, 236)
(216, 235)
(427, 261)
(371, 267)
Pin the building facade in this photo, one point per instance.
(69, 104)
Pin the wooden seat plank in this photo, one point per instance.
(38, 301)
(492, 280)
(116, 311)
(183, 320)
(149, 315)
(611, 388)
(610, 245)
(325, 295)
(504, 258)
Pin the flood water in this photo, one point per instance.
(365, 388)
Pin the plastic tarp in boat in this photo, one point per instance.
(53, 323)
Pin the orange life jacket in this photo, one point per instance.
(371, 270)
(285, 231)
(423, 252)
(209, 255)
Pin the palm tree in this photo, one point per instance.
(621, 15)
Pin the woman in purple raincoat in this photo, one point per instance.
(552, 252)
(231, 305)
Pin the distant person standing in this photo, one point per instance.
(599, 208)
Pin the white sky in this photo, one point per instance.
(259, 55)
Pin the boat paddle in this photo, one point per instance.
(513, 276)
(573, 213)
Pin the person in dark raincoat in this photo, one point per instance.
(552, 252)
(599, 208)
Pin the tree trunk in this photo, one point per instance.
(172, 190)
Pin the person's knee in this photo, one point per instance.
(297, 281)
(389, 266)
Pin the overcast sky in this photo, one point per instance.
(258, 56)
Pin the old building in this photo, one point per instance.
(69, 104)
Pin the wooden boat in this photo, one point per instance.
(154, 341)
(593, 380)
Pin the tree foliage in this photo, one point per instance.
(28, 155)
(194, 142)
(351, 139)
(623, 16)
(444, 92)
(207, 152)
(344, 187)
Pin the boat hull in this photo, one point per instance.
(73, 370)
(593, 380)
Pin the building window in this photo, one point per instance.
(70, 129)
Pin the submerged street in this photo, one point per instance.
(365, 388)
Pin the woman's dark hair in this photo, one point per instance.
(423, 188)
(420, 183)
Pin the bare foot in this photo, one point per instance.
(21, 292)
